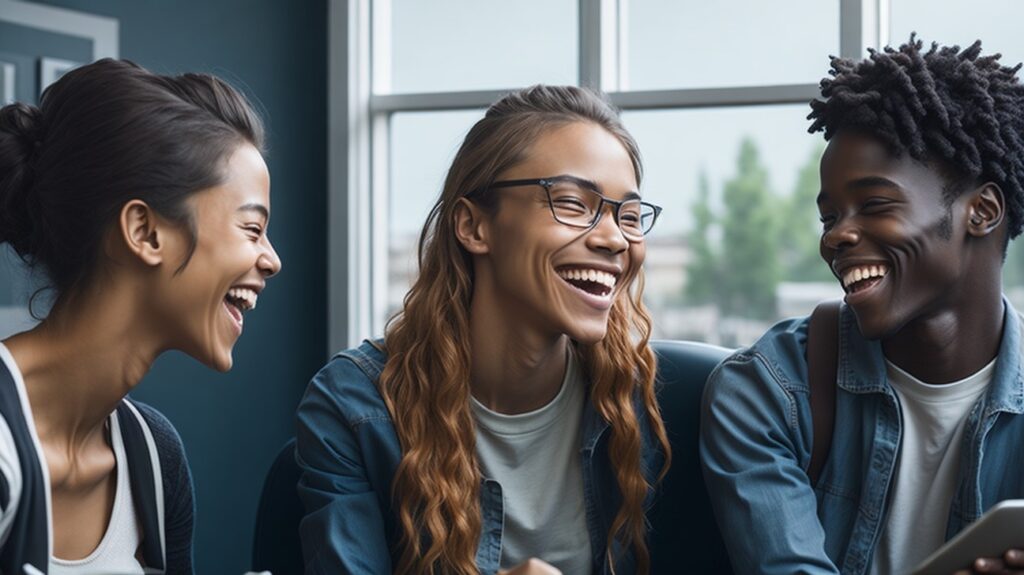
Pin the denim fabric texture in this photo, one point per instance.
(756, 441)
(348, 451)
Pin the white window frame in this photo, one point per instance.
(361, 106)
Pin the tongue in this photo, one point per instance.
(590, 287)
(864, 284)
(234, 311)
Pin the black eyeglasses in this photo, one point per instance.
(578, 203)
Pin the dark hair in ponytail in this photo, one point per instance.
(104, 134)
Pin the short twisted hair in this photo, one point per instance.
(955, 107)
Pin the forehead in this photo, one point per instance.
(245, 181)
(580, 149)
(854, 156)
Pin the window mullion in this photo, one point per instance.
(863, 24)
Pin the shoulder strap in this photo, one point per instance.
(822, 359)
(29, 540)
(146, 480)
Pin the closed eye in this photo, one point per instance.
(876, 205)
(257, 231)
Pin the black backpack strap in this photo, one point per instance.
(822, 359)
(29, 541)
(146, 481)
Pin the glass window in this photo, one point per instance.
(482, 44)
(736, 248)
(423, 145)
(995, 22)
(671, 44)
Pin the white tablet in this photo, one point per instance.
(999, 529)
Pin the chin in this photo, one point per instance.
(219, 361)
(588, 334)
(873, 328)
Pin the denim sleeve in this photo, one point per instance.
(754, 458)
(343, 529)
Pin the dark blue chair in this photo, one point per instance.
(684, 535)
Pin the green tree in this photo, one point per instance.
(749, 240)
(702, 271)
(800, 230)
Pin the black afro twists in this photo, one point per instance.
(959, 108)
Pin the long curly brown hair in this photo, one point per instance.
(425, 382)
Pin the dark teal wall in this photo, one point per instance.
(232, 424)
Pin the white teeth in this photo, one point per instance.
(245, 296)
(591, 275)
(855, 275)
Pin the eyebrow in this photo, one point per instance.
(259, 208)
(630, 195)
(865, 183)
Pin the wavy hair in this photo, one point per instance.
(425, 381)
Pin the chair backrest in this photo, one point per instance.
(684, 535)
(276, 546)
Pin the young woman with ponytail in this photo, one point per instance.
(143, 201)
(507, 420)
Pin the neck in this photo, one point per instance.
(82, 360)
(514, 368)
(951, 343)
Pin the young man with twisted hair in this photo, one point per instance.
(921, 190)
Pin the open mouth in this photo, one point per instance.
(594, 282)
(860, 278)
(238, 301)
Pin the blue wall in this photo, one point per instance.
(232, 424)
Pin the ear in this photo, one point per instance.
(141, 232)
(472, 227)
(986, 210)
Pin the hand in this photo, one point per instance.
(532, 566)
(1011, 562)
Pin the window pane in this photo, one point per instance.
(672, 44)
(756, 260)
(992, 21)
(482, 44)
(423, 145)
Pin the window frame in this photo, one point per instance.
(361, 106)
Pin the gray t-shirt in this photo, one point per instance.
(535, 457)
(934, 417)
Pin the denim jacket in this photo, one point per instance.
(348, 452)
(756, 445)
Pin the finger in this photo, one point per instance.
(988, 565)
(1014, 558)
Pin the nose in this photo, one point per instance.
(606, 234)
(269, 263)
(842, 234)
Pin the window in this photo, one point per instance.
(715, 93)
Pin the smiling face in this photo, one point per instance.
(547, 276)
(233, 258)
(896, 245)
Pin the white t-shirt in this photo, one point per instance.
(934, 418)
(536, 459)
(116, 551)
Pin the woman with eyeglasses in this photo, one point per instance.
(507, 421)
(144, 201)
